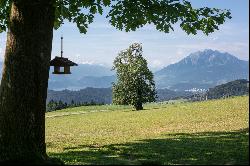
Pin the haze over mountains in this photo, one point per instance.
(202, 69)
(83, 75)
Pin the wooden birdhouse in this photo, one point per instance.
(62, 65)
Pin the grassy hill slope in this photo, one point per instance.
(210, 132)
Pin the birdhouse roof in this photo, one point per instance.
(60, 61)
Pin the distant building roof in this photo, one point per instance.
(60, 61)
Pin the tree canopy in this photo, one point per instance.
(135, 82)
(130, 15)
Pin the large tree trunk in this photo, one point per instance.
(138, 106)
(24, 82)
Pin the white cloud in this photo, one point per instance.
(215, 38)
(156, 64)
(180, 52)
(101, 25)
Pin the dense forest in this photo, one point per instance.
(233, 88)
(87, 95)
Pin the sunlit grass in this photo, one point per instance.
(209, 132)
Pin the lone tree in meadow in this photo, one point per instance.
(29, 25)
(135, 82)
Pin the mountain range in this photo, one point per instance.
(202, 69)
(199, 70)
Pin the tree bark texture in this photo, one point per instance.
(23, 90)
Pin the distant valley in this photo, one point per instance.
(199, 70)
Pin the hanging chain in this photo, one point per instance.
(61, 29)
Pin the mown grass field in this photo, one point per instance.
(209, 132)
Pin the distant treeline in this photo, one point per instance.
(57, 100)
(97, 96)
(58, 105)
(87, 95)
(104, 95)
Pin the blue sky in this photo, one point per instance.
(103, 42)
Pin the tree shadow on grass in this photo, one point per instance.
(198, 148)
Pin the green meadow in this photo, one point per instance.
(207, 132)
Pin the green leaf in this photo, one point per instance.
(106, 2)
(93, 10)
